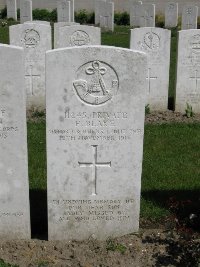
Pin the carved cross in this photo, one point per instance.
(149, 78)
(196, 78)
(94, 165)
(31, 76)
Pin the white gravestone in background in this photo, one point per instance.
(95, 126)
(71, 10)
(189, 17)
(78, 35)
(156, 43)
(11, 9)
(135, 11)
(66, 10)
(63, 11)
(57, 26)
(97, 10)
(25, 10)
(171, 14)
(39, 22)
(14, 187)
(104, 14)
(188, 71)
(147, 15)
(36, 40)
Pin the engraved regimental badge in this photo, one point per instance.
(79, 38)
(31, 38)
(97, 82)
(151, 41)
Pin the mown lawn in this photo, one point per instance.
(171, 165)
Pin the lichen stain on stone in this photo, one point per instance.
(86, 177)
(61, 118)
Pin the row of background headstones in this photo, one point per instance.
(68, 156)
(123, 66)
(65, 10)
(35, 38)
(74, 204)
(141, 15)
(14, 189)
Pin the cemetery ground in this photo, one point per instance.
(170, 216)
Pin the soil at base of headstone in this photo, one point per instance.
(170, 117)
(147, 248)
(156, 117)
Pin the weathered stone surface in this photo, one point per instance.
(171, 14)
(147, 17)
(72, 10)
(189, 17)
(11, 9)
(25, 10)
(56, 30)
(188, 71)
(95, 121)
(78, 35)
(36, 40)
(104, 14)
(135, 13)
(156, 43)
(63, 11)
(39, 22)
(97, 11)
(14, 188)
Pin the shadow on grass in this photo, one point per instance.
(38, 209)
(171, 103)
(183, 204)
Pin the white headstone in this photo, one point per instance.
(171, 14)
(11, 9)
(72, 10)
(36, 40)
(14, 187)
(135, 13)
(147, 17)
(104, 14)
(188, 71)
(189, 17)
(39, 22)
(63, 11)
(57, 25)
(156, 43)
(95, 124)
(78, 35)
(25, 10)
(97, 11)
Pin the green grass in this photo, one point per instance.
(37, 155)
(120, 37)
(3, 264)
(170, 164)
